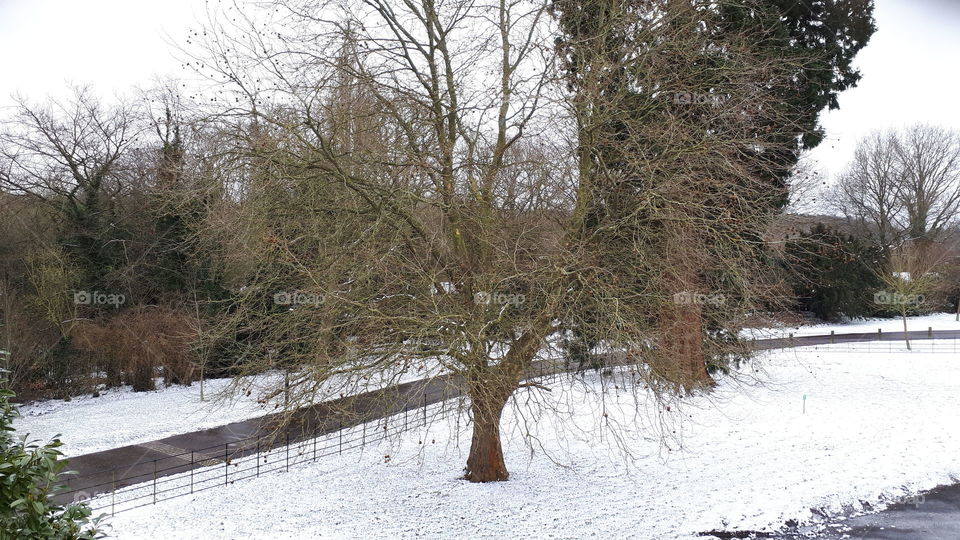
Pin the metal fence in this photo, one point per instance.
(226, 464)
(184, 473)
(934, 346)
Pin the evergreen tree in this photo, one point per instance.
(833, 274)
(619, 93)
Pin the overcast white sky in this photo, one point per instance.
(909, 68)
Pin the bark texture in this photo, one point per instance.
(485, 462)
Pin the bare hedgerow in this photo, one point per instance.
(418, 185)
(140, 344)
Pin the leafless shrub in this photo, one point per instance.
(136, 345)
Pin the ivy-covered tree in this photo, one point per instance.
(613, 64)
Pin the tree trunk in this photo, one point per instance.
(681, 345)
(681, 317)
(485, 462)
(906, 338)
(490, 388)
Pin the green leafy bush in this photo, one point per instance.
(28, 477)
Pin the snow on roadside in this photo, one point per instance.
(825, 431)
(120, 416)
(937, 321)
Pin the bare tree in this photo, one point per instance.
(928, 159)
(911, 279)
(412, 186)
(869, 193)
(903, 186)
(69, 155)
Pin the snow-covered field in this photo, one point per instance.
(824, 433)
(120, 416)
(937, 321)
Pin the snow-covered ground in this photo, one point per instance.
(937, 321)
(824, 433)
(120, 416)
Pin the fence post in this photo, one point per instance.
(192, 467)
(226, 467)
(363, 440)
(831, 336)
(154, 481)
(314, 444)
(340, 431)
(113, 495)
(258, 458)
(288, 452)
(930, 331)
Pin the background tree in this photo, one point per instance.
(833, 274)
(100, 207)
(903, 186)
(928, 163)
(70, 156)
(909, 282)
(869, 192)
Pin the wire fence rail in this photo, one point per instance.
(247, 459)
(178, 473)
(936, 346)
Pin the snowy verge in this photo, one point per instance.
(120, 416)
(937, 321)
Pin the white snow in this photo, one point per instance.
(937, 321)
(120, 416)
(825, 430)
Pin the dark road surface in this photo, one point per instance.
(934, 515)
(937, 517)
(108, 470)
